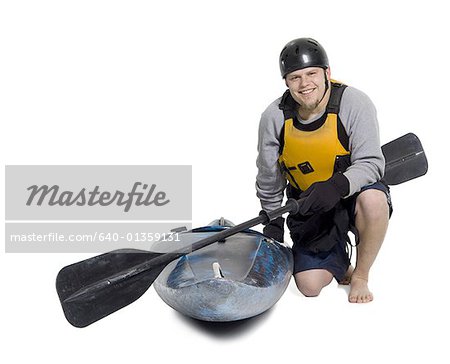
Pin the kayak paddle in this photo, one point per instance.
(96, 287)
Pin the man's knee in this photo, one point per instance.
(372, 204)
(309, 290)
(311, 282)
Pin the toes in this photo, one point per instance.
(368, 297)
(360, 298)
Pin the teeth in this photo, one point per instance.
(307, 91)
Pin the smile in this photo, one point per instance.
(306, 92)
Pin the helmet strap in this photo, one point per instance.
(326, 85)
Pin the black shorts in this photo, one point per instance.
(336, 260)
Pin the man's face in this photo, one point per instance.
(307, 86)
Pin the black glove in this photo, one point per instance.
(275, 229)
(323, 196)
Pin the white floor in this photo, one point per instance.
(407, 321)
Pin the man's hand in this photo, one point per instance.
(275, 229)
(323, 196)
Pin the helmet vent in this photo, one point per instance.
(313, 42)
(296, 50)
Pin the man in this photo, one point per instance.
(320, 143)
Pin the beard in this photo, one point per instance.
(307, 105)
(310, 106)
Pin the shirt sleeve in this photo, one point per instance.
(270, 183)
(359, 118)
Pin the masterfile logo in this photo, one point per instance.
(94, 197)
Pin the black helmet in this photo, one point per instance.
(302, 53)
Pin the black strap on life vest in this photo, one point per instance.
(337, 89)
(288, 105)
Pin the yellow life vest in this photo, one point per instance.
(312, 152)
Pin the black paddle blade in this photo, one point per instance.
(94, 288)
(405, 159)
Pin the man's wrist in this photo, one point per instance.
(341, 183)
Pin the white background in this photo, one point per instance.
(185, 82)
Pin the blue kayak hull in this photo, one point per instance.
(227, 281)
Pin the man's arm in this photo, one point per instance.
(359, 118)
(270, 183)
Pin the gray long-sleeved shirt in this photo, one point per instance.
(359, 118)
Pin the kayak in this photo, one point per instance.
(230, 280)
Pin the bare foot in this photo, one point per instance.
(359, 291)
(348, 276)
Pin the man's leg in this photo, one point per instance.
(310, 282)
(371, 220)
